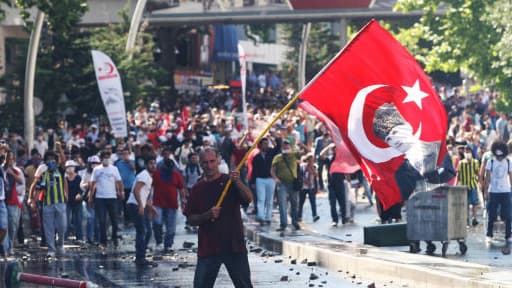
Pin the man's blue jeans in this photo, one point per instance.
(140, 231)
(93, 226)
(54, 220)
(285, 191)
(4, 226)
(13, 219)
(208, 268)
(264, 196)
(165, 216)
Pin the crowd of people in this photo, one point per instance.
(79, 169)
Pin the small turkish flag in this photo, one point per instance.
(388, 114)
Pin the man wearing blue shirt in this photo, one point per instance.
(126, 167)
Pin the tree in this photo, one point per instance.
(65, 66)
(472, 35)
(322, 46)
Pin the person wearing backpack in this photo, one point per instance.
(49, 177)
(497, 187)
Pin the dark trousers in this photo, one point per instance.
(236, 264)
(321, 164)
(337, 193)
(311, 193)
(21, 233)
(141, 229)
(503, 201)
(74, 213)
(126, 216)
(104, 206)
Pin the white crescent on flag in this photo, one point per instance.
(357, 134)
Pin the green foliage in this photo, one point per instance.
(62, 15)
(7, 3)
(141, 79)
(260, 32)
(472, 35)
(322, 46)
(65, 67)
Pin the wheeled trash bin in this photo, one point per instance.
(437, 215)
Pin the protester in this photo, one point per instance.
(13, 177)
(262, 178)
(497, 188)
(74, 207)
(309, 187)
(284, 172)
(50, 178)
(126, 167)
(106, 188)
(93, 226)
(467, 175)
(168, 184)
(139, 205)
(220, 235)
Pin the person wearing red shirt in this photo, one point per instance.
(220, 235)
(14, 177)
(167, 183)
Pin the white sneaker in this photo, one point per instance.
(488, 239)
(50, 255)
(159, 247)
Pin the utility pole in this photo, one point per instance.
(30, 72)
(306, 28)
(134, 26)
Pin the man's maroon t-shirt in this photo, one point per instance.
(224, 235)
(165, 193)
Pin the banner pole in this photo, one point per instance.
(255, 144)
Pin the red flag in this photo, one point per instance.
(389, 115)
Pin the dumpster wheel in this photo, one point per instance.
(414, 247)
(445, 248)
(463, 248)
(431, 248)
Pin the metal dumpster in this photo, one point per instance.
(437, 215)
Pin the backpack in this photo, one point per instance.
(508, 164)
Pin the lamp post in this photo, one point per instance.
(30, 72)
(134, 25)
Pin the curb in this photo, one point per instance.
(408, 270)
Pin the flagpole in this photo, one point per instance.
(285, 108)
(255, 144)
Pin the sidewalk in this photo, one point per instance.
(341, 248)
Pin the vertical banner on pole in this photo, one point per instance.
(243, 74)
(111, 91)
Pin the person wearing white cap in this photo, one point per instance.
(93, 230)
(93, 132)
(74, 211)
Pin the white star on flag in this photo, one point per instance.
(414, 94)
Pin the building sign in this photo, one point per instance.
(186, 80)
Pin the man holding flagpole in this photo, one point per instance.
(220, 235)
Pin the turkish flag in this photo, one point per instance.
(388, 114)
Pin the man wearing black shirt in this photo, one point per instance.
(265, 185)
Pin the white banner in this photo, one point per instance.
(243, 73)
(111, 91)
